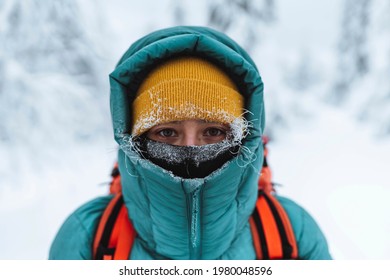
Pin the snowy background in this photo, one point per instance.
(326, 68)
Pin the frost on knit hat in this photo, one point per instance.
(182, 89)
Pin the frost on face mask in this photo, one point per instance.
(188, 161)
(182, 154)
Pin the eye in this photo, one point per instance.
(167, 132)
(215, 132)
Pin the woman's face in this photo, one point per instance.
(189, 133)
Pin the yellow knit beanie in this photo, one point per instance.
(185, 88)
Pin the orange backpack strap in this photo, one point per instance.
(115, 234)
(272, 233)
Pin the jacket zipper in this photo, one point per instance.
(193, 211)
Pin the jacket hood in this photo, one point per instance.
(188, 218)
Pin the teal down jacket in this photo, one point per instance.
(178, 218)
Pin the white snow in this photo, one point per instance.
(335, 169)
(57, 147)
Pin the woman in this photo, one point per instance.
(188, 115)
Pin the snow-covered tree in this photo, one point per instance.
(353, 52)
(243, 18)
(53, 72)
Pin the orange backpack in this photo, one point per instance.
(272, 233)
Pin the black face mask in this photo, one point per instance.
(188, 161)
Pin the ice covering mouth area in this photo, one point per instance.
(187, 161)
(182, 154)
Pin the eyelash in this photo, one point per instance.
(160, 132)
(221, 131)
